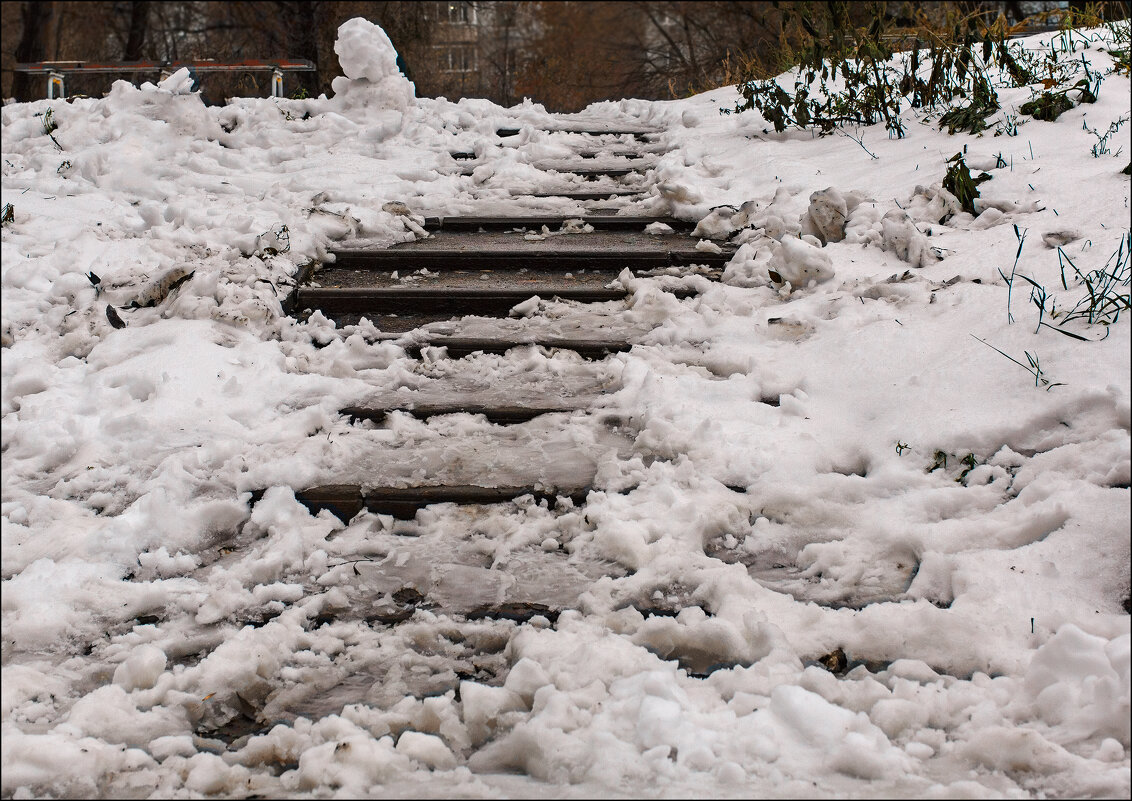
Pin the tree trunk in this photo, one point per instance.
(139, 27)
(301, 19)
(36, 19)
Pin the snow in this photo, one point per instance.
(371, 77)
(800, 262)
(830, 464)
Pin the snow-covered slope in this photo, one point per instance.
(955, 523)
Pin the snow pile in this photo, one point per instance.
(801, 263)
(840, 539)
(369, 64)
(1081, 685)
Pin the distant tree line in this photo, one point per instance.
(563, 54)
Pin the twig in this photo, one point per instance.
(860, 140)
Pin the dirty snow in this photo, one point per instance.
(830, 462)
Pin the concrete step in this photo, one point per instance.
(346, 500)
(468, 155)
(519, 258)
(571, 194)
(600, 222)
(590, 173)
(458, 347)
(464, 300)
(495, 413)
(590, 128)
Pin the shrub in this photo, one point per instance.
(959, 182)
(847, 75)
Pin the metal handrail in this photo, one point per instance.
(57, 70)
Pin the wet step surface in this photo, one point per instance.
(611, 152)
(456, 248)
(552, 454)
(457, 347)
(578, 387)
(444, 299)
(586, 169)
(573, 193)
(346, 500)
(609, 222)
(363, 272)
(492, 272)
(596, 128)
(562, 320)
(596, 163)
(494, 412)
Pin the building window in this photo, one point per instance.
(457, 12)
(457, 58)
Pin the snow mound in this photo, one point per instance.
(364, 51)
(826, 216)
(901, 237)
(717, 224)
(799, 262)
(369, 62)
(1081, 683)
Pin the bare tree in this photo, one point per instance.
(36, 21)
(573, 60)
(139, 28)
(508, 27)
(681, 47)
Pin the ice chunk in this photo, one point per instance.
(396, 207)
(900, 236)
(527, 308)
(179, 83)
(716, 225)
(748, 266)
(934, 204)
(1016, 750)
(744, 215)
(353, 763)
(525, 677)
(988, 219)
(680, 193)
(799, 263)
(826, 216)
(428, 749)
(482, 705)
(1056, 239)
(141, 668)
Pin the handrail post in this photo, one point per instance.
(55, 79)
